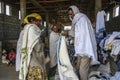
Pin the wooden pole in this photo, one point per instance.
(98, 6)
(23, 9)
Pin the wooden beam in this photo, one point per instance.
(37, 10)
(57, 10)
(35, 3)
(23, 9)
(56, 6)
(53, 1)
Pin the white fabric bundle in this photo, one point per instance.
(65, 68)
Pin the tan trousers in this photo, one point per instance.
(83, 64)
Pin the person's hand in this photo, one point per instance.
(65, 33)
(47, 59)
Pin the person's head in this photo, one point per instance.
(33, 18)
(71, 14)
(54, 28)
(12, 50)
(4, 51)
(72, 11)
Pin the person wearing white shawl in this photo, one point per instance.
(84, 41)
(53, 41)
(32, 59)
(18, 51)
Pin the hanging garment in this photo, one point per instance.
(100, 22)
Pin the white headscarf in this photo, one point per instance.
(75, 9)
(75, 19)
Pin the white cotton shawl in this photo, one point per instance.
(65, 68)
(30, 38)
(54, 37)
(18, 53)
(85, 42)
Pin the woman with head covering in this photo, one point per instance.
(32, 58)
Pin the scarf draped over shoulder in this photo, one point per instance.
(30, 38)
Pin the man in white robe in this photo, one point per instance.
(84, 41)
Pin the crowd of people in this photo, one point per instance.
(9, 57)
(32, 50)
(30, 57)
